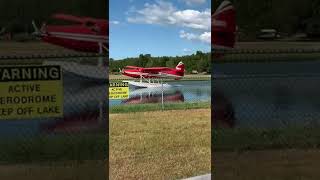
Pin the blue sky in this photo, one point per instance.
(159, 27)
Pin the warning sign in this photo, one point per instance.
(119, 90)
(30, 92)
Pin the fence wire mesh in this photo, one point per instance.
(80, 134)
(165, 125)
(189, 92)
(267, 104)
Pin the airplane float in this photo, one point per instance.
(152, 73)
(223, 28)
(145, 95)
(84, 34)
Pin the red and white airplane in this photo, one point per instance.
(84, 34)
(153, 73)
(223, 27)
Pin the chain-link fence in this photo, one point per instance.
(78, 132)
(267, 104)
(164, 125)
(165, 94)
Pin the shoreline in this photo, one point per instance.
(118, 77)
(121, 109)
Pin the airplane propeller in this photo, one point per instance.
(3, 30)
(37, 31)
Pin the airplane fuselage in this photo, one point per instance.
(75, 37)
(167, 73)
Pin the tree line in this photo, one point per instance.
(199, 61)
(287, 16)
(16, 15)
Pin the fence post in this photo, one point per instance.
(162, 95)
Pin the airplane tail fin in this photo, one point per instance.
(224, 26)
(180, 68)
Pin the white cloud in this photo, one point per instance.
(192, 2)
(115, 22)
(165, 13)
(194, 19)
(204, 37)
(185, 50)
(188, 36)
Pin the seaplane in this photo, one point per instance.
(153, 77)
(223, 28)
(84, 34)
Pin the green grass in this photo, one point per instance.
(284, 164)
(171, 144)
(251, 58)
(29, 48)
(262, 139)
(53, 148)
(290, 153)
(157, 107)
(67, 170)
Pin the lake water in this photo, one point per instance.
(265, 95)
(180, 91)
(85, 105)
(268, 95)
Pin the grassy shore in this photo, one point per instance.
(160, 145)
(286, 164)
(283, 153)
(273, 48)
(279, 45)
(67, 170)
(262, 139)
(53, 148)
(188, 77)
(270, 57)
(77, 157)
(157, 107)
(30, 48)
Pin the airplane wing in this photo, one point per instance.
(133, 67)
(68, 17)
(155, 69)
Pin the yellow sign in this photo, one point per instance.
(119, 90)
(30, 92)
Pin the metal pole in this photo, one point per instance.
(100, 60)
(101, 113)
(162, 95)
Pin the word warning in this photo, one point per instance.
(119, 90)
(30, 92)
